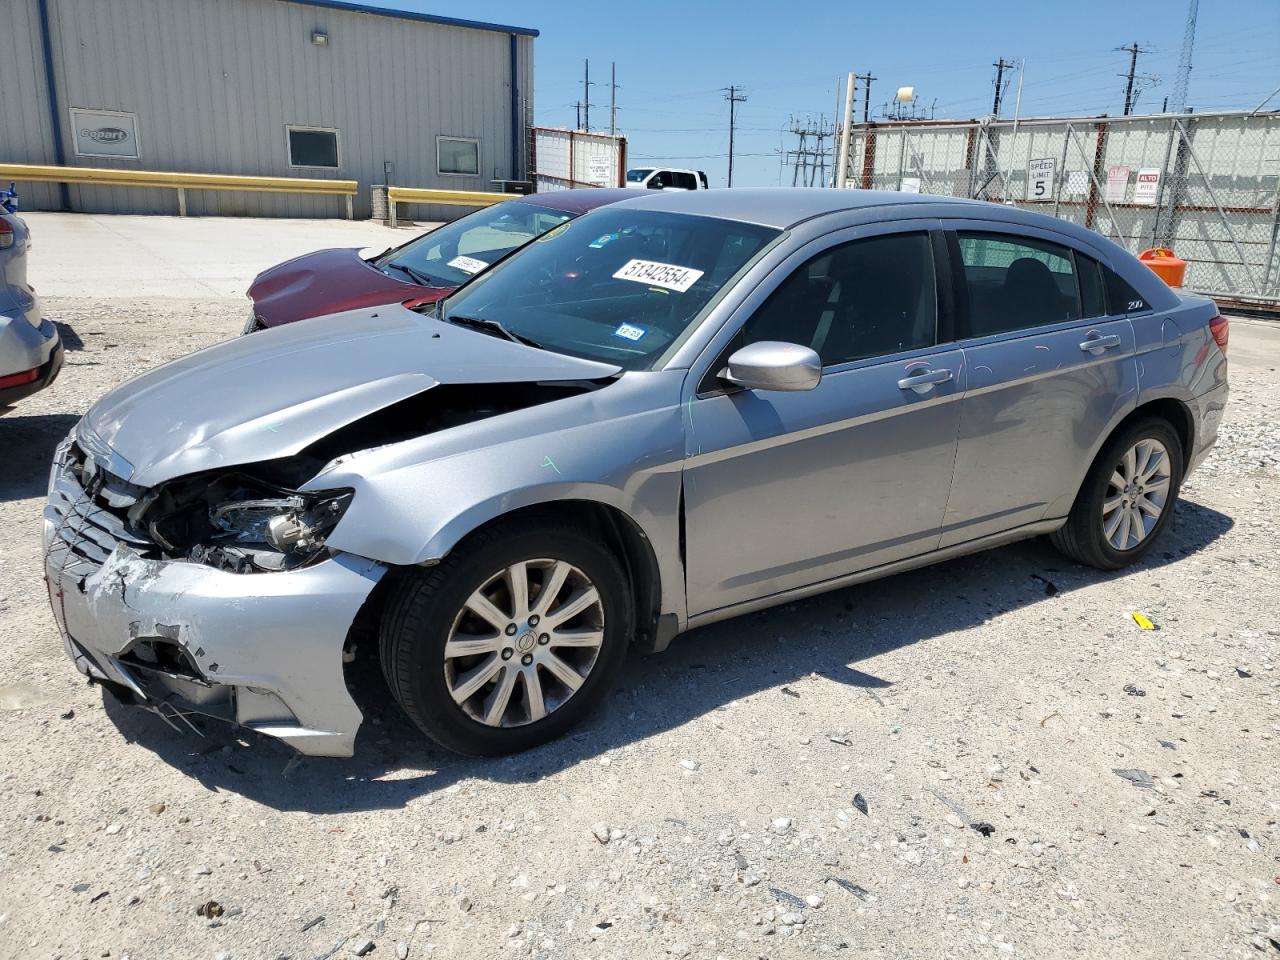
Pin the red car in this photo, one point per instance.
(424, 270)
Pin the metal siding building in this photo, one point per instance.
(214, 85)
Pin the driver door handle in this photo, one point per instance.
(1097, 344)
(924, 382)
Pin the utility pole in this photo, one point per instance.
(1001, 66)
(577, 123)
(866, 78)
(1135, 81)
(1183, 78)
(842, 155)
(613, 99)
(586, 95)
(734, 97)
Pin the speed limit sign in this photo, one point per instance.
(1040, 174)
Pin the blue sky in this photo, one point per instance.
(674, 58)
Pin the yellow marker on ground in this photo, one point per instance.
(1141, 620)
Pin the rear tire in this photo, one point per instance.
(534, 675)
(1127, 498)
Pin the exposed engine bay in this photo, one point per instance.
(253, 519)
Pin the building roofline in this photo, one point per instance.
(414, 15)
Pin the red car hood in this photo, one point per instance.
(329, 281)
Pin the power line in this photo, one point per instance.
(734, 97)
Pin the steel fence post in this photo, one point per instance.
(1164, 177)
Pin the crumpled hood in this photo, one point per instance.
(272, 393)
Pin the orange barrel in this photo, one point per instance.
(1169, 268)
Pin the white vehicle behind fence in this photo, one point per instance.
(666, 178)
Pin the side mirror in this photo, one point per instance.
(773, 365)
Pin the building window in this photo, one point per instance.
(458, 156)
(313, 147)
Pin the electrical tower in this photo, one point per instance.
(1178, 102)
(735, 96)
(1135, 82)
(809, 159)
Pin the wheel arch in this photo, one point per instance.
(1177, 412)
(622, 533)
(1174, 410)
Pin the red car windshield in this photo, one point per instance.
(454, 253)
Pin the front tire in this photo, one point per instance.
(510, 640)
(1127, 498)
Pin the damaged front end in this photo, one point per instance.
(155, 597)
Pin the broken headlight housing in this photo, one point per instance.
(241, 523)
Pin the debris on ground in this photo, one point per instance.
(1134, 691)
(210, 909)
(1139, 778)
(860, 804)
(1142, 620)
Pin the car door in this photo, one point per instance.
(788, 489)
(1048, 370)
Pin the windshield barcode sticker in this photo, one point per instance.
(664, 275)
(468, 264)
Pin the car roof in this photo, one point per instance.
(577, 201)
(783, 207)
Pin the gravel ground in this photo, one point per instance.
(919, 767)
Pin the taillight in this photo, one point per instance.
(1221, 330)
(6, 234)
(18, 379)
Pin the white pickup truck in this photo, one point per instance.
(666, 178)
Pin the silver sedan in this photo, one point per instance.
(30, 347)
(673, 410)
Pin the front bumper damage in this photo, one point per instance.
(262, 650)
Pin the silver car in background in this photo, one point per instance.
(30, 348)
(673, 410)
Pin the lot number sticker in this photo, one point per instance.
(468, 264)
(1040, 176)
(664, 275)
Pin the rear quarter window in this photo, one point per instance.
(1121, 295)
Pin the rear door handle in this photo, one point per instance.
(1097, 344)
(924, 382)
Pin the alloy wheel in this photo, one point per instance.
(524, 642)
(1136, 494)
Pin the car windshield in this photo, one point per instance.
(453, 254)
(619, 286)
(637, 176)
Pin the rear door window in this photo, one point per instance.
(1014, 283)
(685, 181)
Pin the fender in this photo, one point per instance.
(416, 500)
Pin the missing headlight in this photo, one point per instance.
(242, 523)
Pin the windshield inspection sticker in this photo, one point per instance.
(665, 275)
(468, 264)
(628, 332)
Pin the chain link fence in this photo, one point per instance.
(1206, 185)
